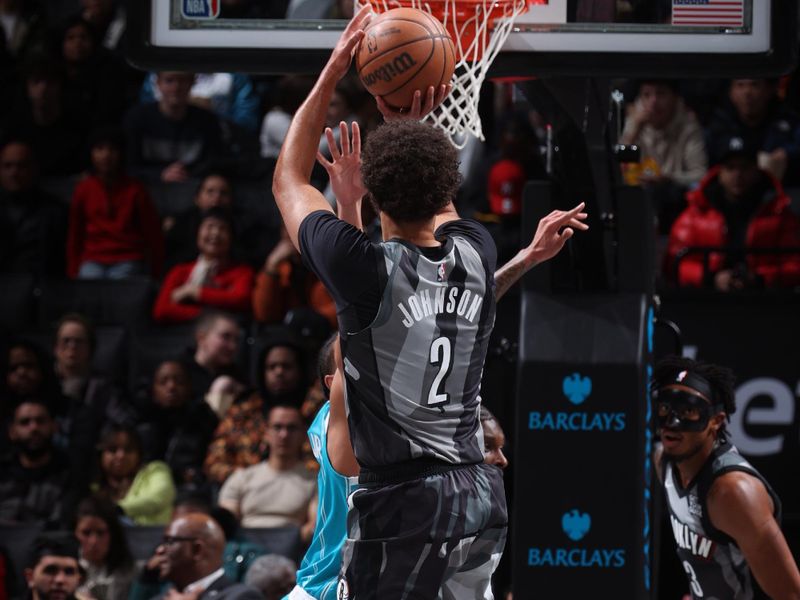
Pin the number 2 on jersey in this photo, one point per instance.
(441, 354)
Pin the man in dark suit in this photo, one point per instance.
(190, 557)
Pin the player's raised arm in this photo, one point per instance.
(344, 171)
(552, 233)
(739, 505)
(294, 195)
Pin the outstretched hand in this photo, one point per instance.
(418, 110)
(553, 232)
(345, 170)
(342, 54)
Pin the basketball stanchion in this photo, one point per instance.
(479, 28)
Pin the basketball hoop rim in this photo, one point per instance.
(461, 18)
(477, 29)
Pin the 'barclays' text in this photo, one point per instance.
(576, 421)
(576, 557)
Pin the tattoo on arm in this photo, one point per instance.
(508, 275)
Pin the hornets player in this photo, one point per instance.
(724, 515)
(319, 571)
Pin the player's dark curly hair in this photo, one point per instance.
(410, 170)
(721, 379)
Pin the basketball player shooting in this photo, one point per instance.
(415, 314)
(724, 514)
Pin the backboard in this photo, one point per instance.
(668, 38)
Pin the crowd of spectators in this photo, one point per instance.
(717, 176)
(163, 180)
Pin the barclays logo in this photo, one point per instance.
(576, 388)
(575, 524)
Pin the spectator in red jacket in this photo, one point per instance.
(741, 208)
(114, 229)
(213, 280)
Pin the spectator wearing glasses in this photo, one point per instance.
(237, 556)
(279, 490)
(53, 570)
(190, 557)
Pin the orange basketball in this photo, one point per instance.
(404, 50)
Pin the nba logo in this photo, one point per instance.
(200, 9)
(441, 273)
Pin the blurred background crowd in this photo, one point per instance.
(159, 333)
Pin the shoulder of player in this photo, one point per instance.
(737, 500)
(453, 221)
(324, 221)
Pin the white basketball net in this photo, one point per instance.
(458, 114)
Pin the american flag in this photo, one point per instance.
(726, 13)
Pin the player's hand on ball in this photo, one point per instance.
(418, 109)
(342, 54)
(553, 232)
(345, 170)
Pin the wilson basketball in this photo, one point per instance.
(404, 50)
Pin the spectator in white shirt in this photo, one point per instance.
(277, 491)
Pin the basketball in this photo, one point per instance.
(404, 50)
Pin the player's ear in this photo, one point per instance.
(718, 421)
(328, 381)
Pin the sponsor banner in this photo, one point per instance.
(581, 480)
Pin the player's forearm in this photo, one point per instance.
(299, 149)
(772, 563)
(510, 273)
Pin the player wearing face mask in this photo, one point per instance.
(724, 514)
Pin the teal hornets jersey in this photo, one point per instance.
(319, 570)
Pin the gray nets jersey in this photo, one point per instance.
(714, 565)
(413, 376)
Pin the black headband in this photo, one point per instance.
(693, 381)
